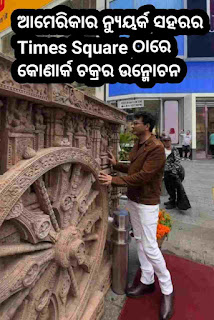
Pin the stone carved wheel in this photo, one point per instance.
(53, 223)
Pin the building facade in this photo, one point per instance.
(188, 105)
(6, 32)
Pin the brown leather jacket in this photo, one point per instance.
(145, 172)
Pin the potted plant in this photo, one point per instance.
(126, 144)
(164, 226)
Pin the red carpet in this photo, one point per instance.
(194, 293)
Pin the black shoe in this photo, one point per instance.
(184, 207)
(167, 306)
(140, 290)
(170, 206)
(168, 202)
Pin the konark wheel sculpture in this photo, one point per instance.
(53, 223)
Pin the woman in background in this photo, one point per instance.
(173, 177)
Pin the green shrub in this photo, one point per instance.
(126, 144)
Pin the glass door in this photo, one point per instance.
(171, 120)
(210, 127)
(204, 128)
(201, 115)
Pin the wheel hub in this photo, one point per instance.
(70, 248)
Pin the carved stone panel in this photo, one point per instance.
(53, 211)
(17, 146)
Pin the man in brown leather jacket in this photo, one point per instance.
(145, 172)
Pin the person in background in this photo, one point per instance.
(173, 177)
(211, 139)
(162, 136)
(145, 172)
(186, 144)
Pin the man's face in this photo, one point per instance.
(138, 127)
(188, 132)
(167, 144)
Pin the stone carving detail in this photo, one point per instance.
(31, 275)
(89, 220)
(43, 300)
(71, 249)
(69, 128)
(23, 146)
(23, 274)
(65, 286)
(67, 202)
(44, 314)
(74, 288)
(45, 202)
(6, 79)
(39, 118)
(89, 126)
(104, 141)
(60, 142)
(16, 211)
(42, 229)
(21, 117)
(53, 212)
(80, 134)
(11, 103)
(7, 83)
(80, 128)
(9, 234)
(33, 227)
(29, 153)
(66, 94)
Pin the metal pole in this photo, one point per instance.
(120, 239)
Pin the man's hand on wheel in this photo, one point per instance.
(105, 179)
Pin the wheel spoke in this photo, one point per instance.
(91, 237)
(69, 202)
(84, 204)
(42, 194)
(89, 220)
(34, 226)
(65, 282)
(60, 181)
(9, 308)
(74, 287)
(13, 249)
(20, 275)
(41, 293)
(65, 205)
(85, 185)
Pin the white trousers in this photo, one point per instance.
(144, 219)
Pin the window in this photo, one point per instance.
(171, 120)
(202, 46)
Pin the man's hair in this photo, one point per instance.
(167, 138)
(147, 118)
